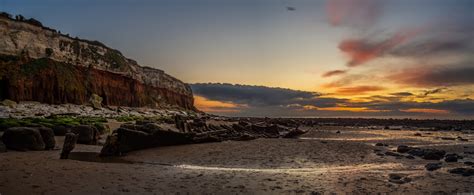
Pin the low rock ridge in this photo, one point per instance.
(184, 130)
(51, 56)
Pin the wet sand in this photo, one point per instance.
(321, 161)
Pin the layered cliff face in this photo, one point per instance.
(39, 64)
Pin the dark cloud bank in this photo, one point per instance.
(280, 102)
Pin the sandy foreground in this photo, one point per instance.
(321, 161)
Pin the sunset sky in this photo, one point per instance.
(308, 58)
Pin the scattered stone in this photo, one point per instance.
(452, 158)
(433, 154)
(294, 133)
(379, 144)
(398, 179)
(338, 132)
(403, 149)
(48, 137)
(389, 153)
(462, 139)
(61, 130)
(427, 154)
(448, 138)
(9, 103)
(410, 157)
(86, 134)
(95, 101)
(462, 171)
(23, 139)
(432, 166)
(469, 163)
(417, 134)
(70, 140)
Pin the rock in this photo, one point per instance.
(102, 128)
(48, 137)
(448, 138)
(389, 153)
(417, 134)
(427, 154)
(432, 166)
(410, 157)
(61, 130)
(379, 144)
(433, 154)
(70, 140)
(403, 149)
(23, 138)
(294, 133)
(462, 171)
(86, 134)
(398, 179)
(452, 158)
(9, 103)
(3, 148)
(462, 139)
(338, 132)
(111, 146)
(95, 101)
(469, 163)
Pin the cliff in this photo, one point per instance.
(40, 64)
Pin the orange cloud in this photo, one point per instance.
(207, 105)
(426, 110)
(334, 73)
(358, 90)
(362, 50)
(343, 108)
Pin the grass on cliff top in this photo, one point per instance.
(51, 121)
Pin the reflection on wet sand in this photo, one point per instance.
(370, 167)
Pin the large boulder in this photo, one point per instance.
(48, 137)
(9, 103)
(23, 139)
(61, 130)
(86, 134)
(403, 149)
(95, 101)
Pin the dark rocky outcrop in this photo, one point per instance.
(86, 134)
(432, 166)
(48, 137)
(70, 140)
(61, 130)
(452, 158)
(23, 139)
(130, 137)
(462, 171)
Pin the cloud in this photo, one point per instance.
(403, 94)
(334, 73)
(358, 90)
(247, 100)
(361, 51)
(214, 106)
(435, 76)
(433, 91)
(353, 13)
(251, 95)
(426, 110)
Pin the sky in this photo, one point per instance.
(285, 58)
